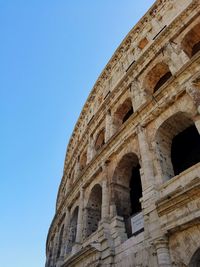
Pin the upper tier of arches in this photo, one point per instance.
(91, 135)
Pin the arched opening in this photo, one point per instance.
(72, 230)
(83, 160)
(123, 113)
(178, 145)
(60, 241)
(191, 41)
(157, 76)
(195, 261)
(185, 150)
(93, 211)
(100, 140)
(128, 190)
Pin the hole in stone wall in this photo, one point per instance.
(72, 230)
(156, 77)
(100, 141)
(191, 41)
(185, 150)
(177, 145)
(162, 80)
(195, 261)
(93, 211)
(127, 189)
(123, 113)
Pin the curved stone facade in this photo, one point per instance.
(130, 191)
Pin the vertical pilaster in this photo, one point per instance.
(77, 168)
(109, 124)
(163, 254)
(138, 95)
(55, 247)
(105, 200)
(80, 218)
(193, 90)
(90, 150)
(147, 165)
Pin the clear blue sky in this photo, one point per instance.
(51, 53)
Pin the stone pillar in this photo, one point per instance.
(193, 90)
(147, 165)
(65, 234)
(105, 201)
(55, 247)
(90, 150)
(163, 253)
(77, 169)
(176, 57)
(79, 231)
(138, 95)
(109, 125)
(68, 185)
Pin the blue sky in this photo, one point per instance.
(51, 53)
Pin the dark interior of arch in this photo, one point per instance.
(162, 80)
(185, 150)
(127, 115)
(135, 190)
(100, 141)
(191, 41)
(128, 189)
(93, 210)
(196, 48)
(195, 261)
(72, 230)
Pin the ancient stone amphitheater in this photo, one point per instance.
(130, 191)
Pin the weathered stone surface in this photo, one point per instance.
(135, 150)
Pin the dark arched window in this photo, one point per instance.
(123, 113)
(157, 76)
(127, 189)
(93, 211)
(191, 41)
(177, 145)
(100, 140)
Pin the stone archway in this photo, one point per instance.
(191, 41)
(177, 145)
(127, 189)
(72, 230)
(123, 113)
(156, 77)
(93, 211)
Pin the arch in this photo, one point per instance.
(123, 113)
(60, 241)
(100, 140)
(93, 210)
(156, 77)
(127, 189)
(83, 160)
(72, 230)
(177, 145)
(191, 41)
(195, 261)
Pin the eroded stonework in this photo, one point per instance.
(130, 191)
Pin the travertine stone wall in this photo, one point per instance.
(124, 142)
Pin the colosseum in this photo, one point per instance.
(130, 191)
